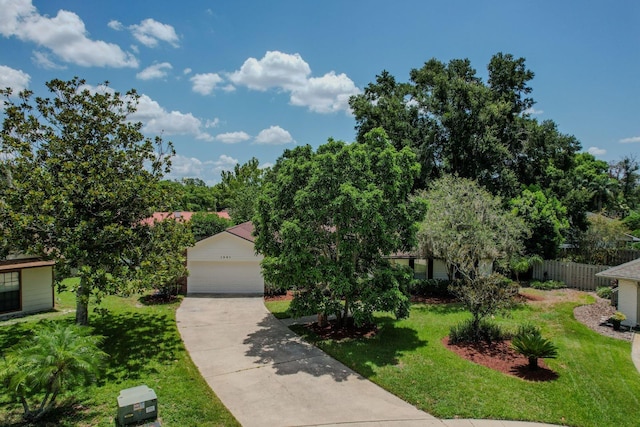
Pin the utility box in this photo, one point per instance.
(137, 404)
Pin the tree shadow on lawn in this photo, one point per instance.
(287, 353)
(133, 340)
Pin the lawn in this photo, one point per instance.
(145, 348)
(598, 385)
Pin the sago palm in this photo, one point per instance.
(534, 347)
(57, 358)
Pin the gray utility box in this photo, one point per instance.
(137, 404)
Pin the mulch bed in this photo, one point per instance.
(499, 356)
(332, 331)
(284, 297)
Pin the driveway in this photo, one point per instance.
(267, 376)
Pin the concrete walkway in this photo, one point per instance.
(267, 376)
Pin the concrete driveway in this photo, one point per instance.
(267, 376)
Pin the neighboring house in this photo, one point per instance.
(178, 216)
(432, 268)
(26, 286)
(628, 277)
(225, 263)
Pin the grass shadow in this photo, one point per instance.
(134, 339)
(538, 375)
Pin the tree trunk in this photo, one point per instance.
(322, 319)
(533, 363)
(345, 313)
(82, 303)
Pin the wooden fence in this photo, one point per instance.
(579, 276)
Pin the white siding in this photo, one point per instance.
(224, 263)
(628, 301)
(37, 289)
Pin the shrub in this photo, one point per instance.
(430, 287)
(604, 292)
(527, 329)
(56, 359)
(271, 290)
(616, 319)
(548, 285)
(534, 346)
(466, 331)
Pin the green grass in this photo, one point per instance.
(598, 385)
(145, 348)
(280, 309)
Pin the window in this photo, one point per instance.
(9, 291)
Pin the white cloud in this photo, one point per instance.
(157, 120)
(225, 163)
(275, 69)
(204, 84)
(265, 165)
(630, 140)
(597, 151)
(325, 94)
(65, 35)
(182, 167)
(292, 74)
(149, 32)
(43, 60)
(212, 123)
(115, 25)
(155, 71)
(186, 71)
(275, 135)
(532, 111)
(17, 80)
(229, 88)
(232, 137)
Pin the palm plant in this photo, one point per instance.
(57, 358)
(534, 346)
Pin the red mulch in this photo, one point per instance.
(500, 357)
(334, 332)
(432, 300)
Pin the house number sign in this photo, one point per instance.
(225, 256)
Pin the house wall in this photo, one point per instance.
(224, 263)
(37, 289)
(440, 270)
(628, 301)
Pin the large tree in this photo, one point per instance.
(467, 227)
(239, 189)
(327, 220)
(83, 177)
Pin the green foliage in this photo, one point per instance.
(527, 329)
(468, 332)
(600, 242)
(604, 292)
(547, 219)
(618, 317)
(534, 346)
(239, 190)
(189, 194)
(519, 264)
(548, 285)
(58, 358)
(205, 224)
(327, 220)
(83, 177)
(430, 287)
(632, 221)
(465, 226)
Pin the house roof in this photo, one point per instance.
(19, 264)
(628, 271)
(178, 216)
(244, 231)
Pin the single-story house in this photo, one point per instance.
(225, 263)
(432, 268)
(628, 277)
(26, 286)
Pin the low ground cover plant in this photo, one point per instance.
(547, 285)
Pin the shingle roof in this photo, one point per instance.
(17, 264)
(244, 231)
(178, 216)
(628, 271)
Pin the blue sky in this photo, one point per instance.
(230, 80)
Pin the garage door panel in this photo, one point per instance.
(224, 277)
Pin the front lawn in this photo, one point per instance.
(145, 347)
(598, 385)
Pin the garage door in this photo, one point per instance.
(224, 277)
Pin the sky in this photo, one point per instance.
(226, 81)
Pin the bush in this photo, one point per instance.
(534, 346)
(465, 332)
(430, 288)
(548, 285)
(527, 329)
(271, 290)
(604, 292)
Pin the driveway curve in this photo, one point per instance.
(267, 376)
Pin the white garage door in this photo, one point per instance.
(224, 277)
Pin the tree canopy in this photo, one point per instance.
(327, 220)
(80, 178)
